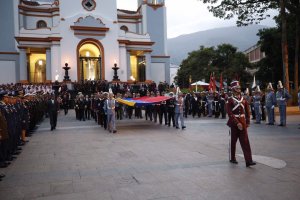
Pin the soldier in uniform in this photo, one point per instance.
(203, 103)
(299, 97)
(4, 137)
(216, 105)
(210, 100)
(270, 104)
(257, 105)
(195, 102)
(282, 96)
(239, 121)
(223, 99)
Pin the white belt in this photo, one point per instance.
(242, 115)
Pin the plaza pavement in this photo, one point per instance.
(147, 161)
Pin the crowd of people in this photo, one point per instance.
(19, 115)
(22, 106)
(104, 108)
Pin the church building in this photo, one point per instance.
(40, 37)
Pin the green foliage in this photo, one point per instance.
(247, 11)
(207, 60)
(270, 68)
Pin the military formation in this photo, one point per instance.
(22, 107)
(202, 104)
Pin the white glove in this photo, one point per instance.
(272, 107)
(240, 126)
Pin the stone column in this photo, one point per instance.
(123, 63)
(56, 70)
(129, 73)
(148, 66)
(23, 65)
(48, 65)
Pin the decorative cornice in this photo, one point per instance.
(127, 11)
(160, 56)
(34, 39)
(86, 28)
(155, 6)
(135, 17)
(139, 43)
(38, 15)
(12, 53)
(134, 51)
(130, 22)
(90, 34)
(33, 9)
(80, 19)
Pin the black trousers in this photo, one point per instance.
(53, 118)
(171, 116)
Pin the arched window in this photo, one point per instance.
(124, 28)
(41, 24)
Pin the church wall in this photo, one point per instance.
(6, 61)
(107, 8)
(7, 33)
(160, 69)
(31, 22)
(132, 27)
(106, 11)
(8, 71)
(156, 29)
(123, 64)
(158, 72)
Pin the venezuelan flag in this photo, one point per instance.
(142, 101)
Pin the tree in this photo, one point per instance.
(270, 42)
(269, 67)
(284, 45)
(294, 8)
(207, 60)
(253, 11)
(195, 65)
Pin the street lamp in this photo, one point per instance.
(66, 68)
(115, 68)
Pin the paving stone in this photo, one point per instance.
(146, 161)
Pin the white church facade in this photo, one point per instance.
(39, 37)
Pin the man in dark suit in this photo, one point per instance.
(53, 109)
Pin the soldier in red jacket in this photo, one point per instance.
(239, 120)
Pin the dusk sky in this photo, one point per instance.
(188, 16)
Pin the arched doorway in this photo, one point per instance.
(37, 67)
(90, 60)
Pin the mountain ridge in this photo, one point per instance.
(240, 37)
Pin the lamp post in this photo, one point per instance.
(115, 68)
(66, 68)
